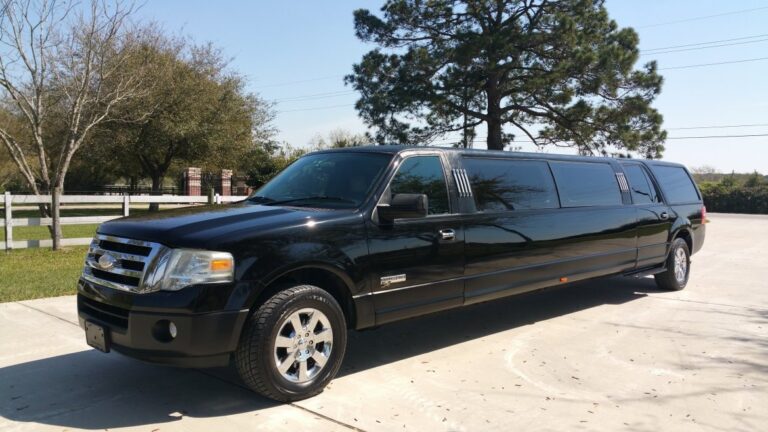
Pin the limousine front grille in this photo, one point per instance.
(119, 263)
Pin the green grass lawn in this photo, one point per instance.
(69, 231)
(41, 232)
(34, 273)
(40, 272)
(72, 211)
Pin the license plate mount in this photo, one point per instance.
(97, 336)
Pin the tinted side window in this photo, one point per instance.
(643, 191)
(423, 175)
(500, 184)
(676, 184)
(586, 184)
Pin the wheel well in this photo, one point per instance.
(320, 278)
(686, 235)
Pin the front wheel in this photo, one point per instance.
(293, 344)
(678, 270)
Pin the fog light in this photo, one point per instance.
(164, 331)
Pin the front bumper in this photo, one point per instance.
(203, 339)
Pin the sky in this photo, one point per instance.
(297, 52)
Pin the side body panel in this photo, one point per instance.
(336, 247)
(413, 270)
(514, 252)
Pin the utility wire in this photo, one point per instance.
(346, 92)
(299, 81)
(315, 96)
(459, 140)
(483, 139)
(719, 126)
(644, 26)
(705, 43)
(703, 17)
(643, 53)
(717, 136)
(316, 108)
(715, 64)
(662, 50)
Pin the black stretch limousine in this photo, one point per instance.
(354, 238)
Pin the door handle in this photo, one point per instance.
(664, 215)
(447, 234)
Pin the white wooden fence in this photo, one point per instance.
(124, 200)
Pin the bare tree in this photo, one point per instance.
(339, 138)
(61, 67)
(704, 169)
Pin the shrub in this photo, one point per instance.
(729, 197)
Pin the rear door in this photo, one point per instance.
(539, 223)
(654, 218)
(418, 263)
(596, 226)
(514, 227)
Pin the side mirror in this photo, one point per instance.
(403, 206)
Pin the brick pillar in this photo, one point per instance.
(226, 182)
(192, 184)
(240, 187)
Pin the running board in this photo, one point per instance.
(647, 271)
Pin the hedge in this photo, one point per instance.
(735, 199)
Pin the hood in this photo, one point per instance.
(212, 226)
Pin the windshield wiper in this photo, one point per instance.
(311, 198)
(260, 199)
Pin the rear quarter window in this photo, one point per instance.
(676, 184)
(642, 188)
(583, 184)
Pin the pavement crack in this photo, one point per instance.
(340, 423)
(49, 314)
(244, 387)
(755, 308)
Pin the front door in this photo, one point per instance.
(417, 263)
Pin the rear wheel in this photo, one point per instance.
(293, 344)
(678, 270)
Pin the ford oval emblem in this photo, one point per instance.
(107, 262)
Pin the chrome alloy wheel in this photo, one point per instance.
(303, 345)
(681, 265)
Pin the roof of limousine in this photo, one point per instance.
(395, 149)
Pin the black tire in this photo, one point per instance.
(668, 280)
(255, 358)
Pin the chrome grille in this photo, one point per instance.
(130, 260)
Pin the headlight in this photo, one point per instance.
(175, 269)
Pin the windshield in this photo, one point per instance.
(326, 180)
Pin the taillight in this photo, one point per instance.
(704, 214)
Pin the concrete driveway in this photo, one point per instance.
(613, 354)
